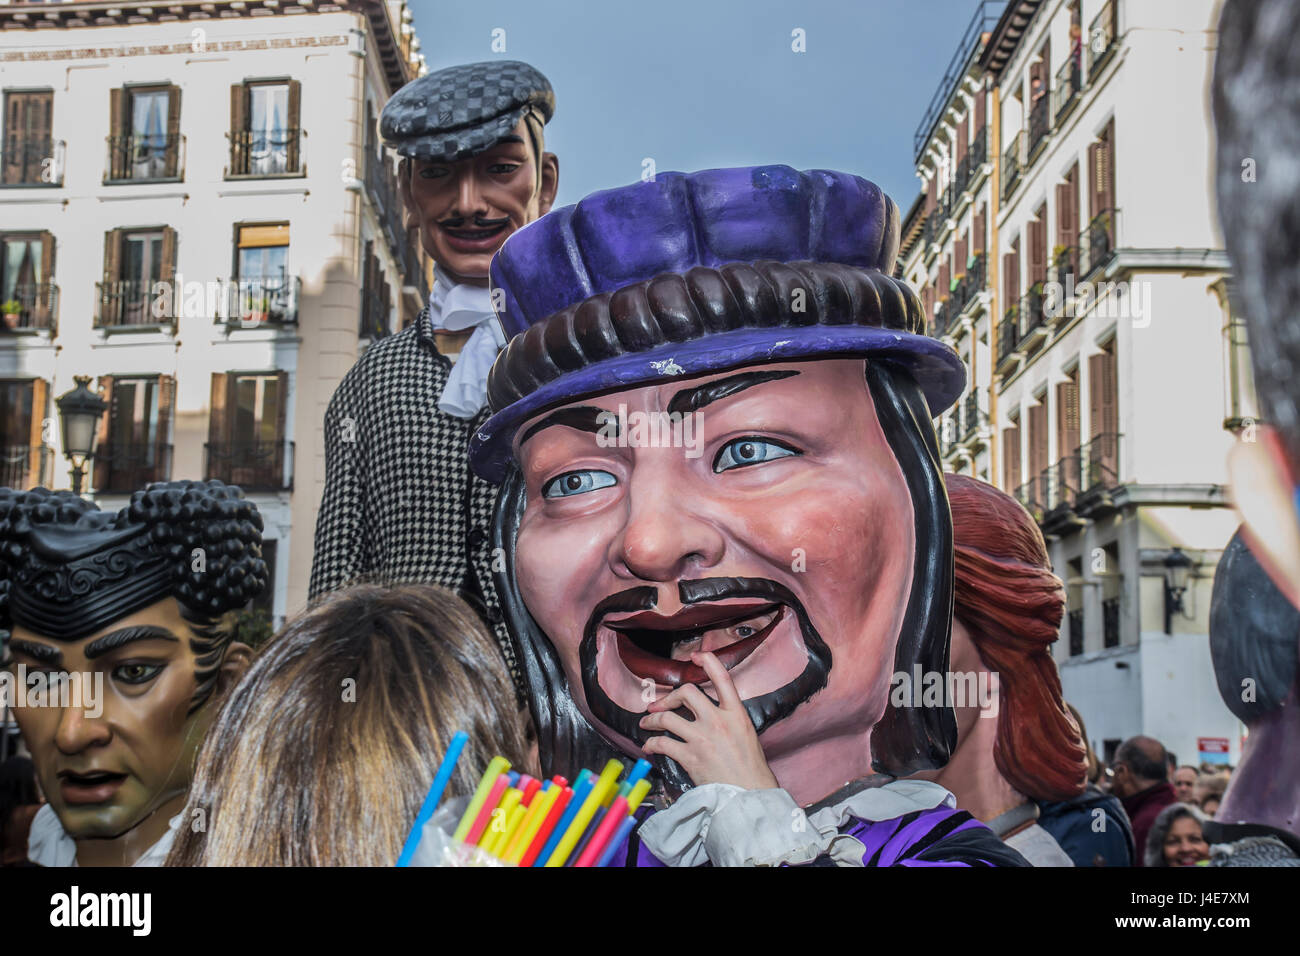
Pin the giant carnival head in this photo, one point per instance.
(130, 602)
(713, 424)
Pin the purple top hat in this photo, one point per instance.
(693, 274)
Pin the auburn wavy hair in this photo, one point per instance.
(1008, 598)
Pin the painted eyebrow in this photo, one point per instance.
(693, 399)
(41, 652)
(127, 635)
(582, 417)
(509, 138)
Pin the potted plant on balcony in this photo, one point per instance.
(11, 312)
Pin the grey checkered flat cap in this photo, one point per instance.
(463, 110)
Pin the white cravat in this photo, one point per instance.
(455, 307)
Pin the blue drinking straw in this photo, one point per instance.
(586, 780)
(440, 781)
(639, 770)
(617, 840)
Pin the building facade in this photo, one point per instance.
(1098, 318)
(196, 214)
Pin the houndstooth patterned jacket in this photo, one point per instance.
(401, 503)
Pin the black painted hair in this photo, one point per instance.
(208, 534)
(906, 739)
(1253, 635)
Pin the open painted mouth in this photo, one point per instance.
(659, 648)
(475, 239)
(96, 786)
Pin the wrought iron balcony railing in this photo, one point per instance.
(1033, 315)
(1102, 33)
(33, 305)
(1066, 95)
(1011, 165)
(1040, 124)
(252, 465)
(1008, 334)
(32, 161)
(25, 466)
(263, 300)
(942, 318)
(125, 467)
(1075, 621)
(972, 283)
(133, 302)
(1099, 463)
(262, 153)
(1110, 622)
(1098, 241)
(381, 185)
(972, 416)
(144, 158)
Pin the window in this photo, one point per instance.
(25, 460)
(246, 430)
(1011, 456)
(135, 260)
(145, 143)
(1101, 454)
(376, 296)
(29, 150)
(27, 296)
(265, 291)
(265, 139)
(134, 446)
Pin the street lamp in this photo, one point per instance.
(80, 411)
(1177, 567)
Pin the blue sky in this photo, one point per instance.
(693, 84)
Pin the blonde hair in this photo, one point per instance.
(323, 753)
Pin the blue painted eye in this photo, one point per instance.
(750, 451)
(577, 483)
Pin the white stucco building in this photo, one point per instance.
(196, 214)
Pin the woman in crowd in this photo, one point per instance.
(1209, 792)
(324, 752)
(1176, 839)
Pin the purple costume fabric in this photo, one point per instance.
(942, 836)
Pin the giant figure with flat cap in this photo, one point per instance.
(723, 520)
(127, 610)
(400, 501)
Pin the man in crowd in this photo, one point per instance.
(1184, 781)
(1142, 784)
(400, 502)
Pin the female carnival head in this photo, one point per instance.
(714, 427)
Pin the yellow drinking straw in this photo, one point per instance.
(532, 822)
(500, 818)
(637, 794)
(498, 847)
(607, 782)
(496, 767)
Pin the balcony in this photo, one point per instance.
(1011, 165)
(1098, 241)
(942, 318)
(1075, 619)
(1033, 319)
(32, 161)
(263, 155)
(974, 422)
(1008, 338)
(263, 300)
(381, 186)
(1066, 95)
(133, 304)
(1040, 124)
(969, 167)
(145, 158)
(124, 468)
(1061, 486)
(34, 307)
(251, 465)
(25, 466)
(971, 284)
(412, 275)
(1028, 495)
(1099, 475)
(1110, 622)
(1101, 39)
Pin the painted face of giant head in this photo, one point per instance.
(776, 529)
(122, 746)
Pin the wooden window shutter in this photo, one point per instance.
(980, 109)
(103, 468)
(961, 138)
(1038, 438)
(1093, 209)
(1011, 457)
(238, 129)
(162, 437)
(168, 271)
(1008, 286)
(219, 414)
(1067, 418)
(44, 300)
(959, 255)
(1109, 394)
(977, 233)
(13, 167)
(1038, 246)
(1096, 386)
(1062, 216)
(173, 130)
(1106, 172)
(120, 150)
(36, 445)
(105, 309)
(295, 123)
(944, 279)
